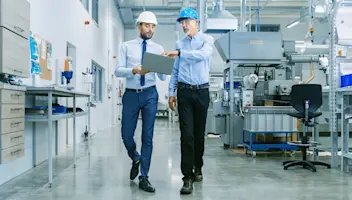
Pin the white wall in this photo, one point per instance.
(60, 22)
(165, 36)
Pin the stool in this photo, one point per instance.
(306, 99)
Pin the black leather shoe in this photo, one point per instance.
(145, 185)
(134, 170)
(187, 186)
(198, 176)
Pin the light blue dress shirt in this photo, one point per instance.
(193, 65)
(130, 57)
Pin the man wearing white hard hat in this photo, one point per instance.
(140, 96)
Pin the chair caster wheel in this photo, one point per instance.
(292, 153)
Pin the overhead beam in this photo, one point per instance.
(232, 9)
(177, 8)
(130, 13)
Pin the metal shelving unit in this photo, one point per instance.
(338, 97)
(56, 117)
(332, 89)
(51, 92)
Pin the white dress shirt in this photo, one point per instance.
(130, 57)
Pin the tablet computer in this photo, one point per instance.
(158, 63)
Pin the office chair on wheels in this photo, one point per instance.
(306, 99)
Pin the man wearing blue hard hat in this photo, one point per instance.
(190, 77)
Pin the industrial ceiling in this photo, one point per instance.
(168, 10)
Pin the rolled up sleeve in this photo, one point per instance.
(174, 78)
(162, 77)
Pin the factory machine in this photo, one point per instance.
(215, 123)
(259, 73)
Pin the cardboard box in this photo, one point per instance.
(268, 103)
(265, 138)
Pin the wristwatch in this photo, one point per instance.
(179, 52)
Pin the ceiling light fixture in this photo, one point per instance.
(292, 24)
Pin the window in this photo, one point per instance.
(85, 3)
(97, 87)
(266, 27)
(95, 10)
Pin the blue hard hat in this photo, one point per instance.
(188, 13)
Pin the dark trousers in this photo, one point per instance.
(133, 102)
(192, 109)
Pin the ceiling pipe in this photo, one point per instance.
(252, 2)
(258, 22)
(219, 5)
(229, 8)
(201, 13)
(243, 15)
(249, 19)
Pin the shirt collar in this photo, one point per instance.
(140, 40)
(197, 36)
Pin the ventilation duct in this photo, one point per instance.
(221, 20)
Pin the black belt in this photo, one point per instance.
(140, 90)
(181, 85)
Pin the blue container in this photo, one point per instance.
(56, 109)
(235, 85)
(346, 80)
(59, 109)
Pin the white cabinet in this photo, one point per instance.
(12, 125)
(12, 153)
(12, 139)
(15, 15)
(12, 96)
(14, 37)
(9, 111)
(12, 122)
(14, 54)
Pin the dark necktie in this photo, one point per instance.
(143, 50)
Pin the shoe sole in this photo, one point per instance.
(195, 179)
(145, 190)
(185, 193)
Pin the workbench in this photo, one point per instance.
(51, 92)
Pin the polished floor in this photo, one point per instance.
(104, 175)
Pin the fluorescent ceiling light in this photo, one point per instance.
(247, 22)
(293, 24)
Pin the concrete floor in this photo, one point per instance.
(227, 175)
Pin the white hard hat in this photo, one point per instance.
(147, 17)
